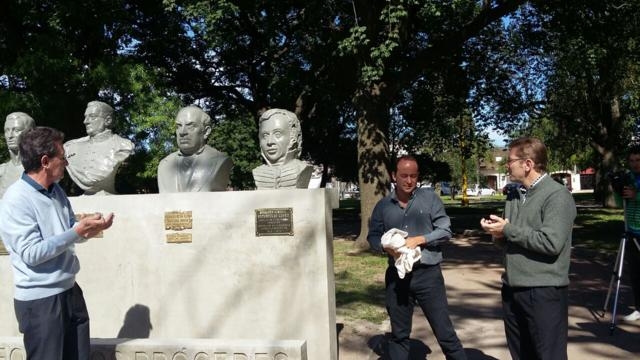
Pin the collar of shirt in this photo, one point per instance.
(535, 182)
(35, 185)
(394, 196)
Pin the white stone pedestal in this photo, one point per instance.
(227, 283)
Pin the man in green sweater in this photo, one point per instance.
(535, 234)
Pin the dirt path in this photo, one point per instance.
(472, 271)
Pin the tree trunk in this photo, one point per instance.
(603, 186)
(373, 158)
(606, 147)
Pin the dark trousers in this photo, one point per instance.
(55, 327)
(536, 322)
(632, 255)
(424, 285)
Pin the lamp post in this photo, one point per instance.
(463, 152)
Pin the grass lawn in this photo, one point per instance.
(359, 276)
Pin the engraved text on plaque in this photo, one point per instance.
(274, 221)
(178, 226)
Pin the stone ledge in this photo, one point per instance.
(11, 348)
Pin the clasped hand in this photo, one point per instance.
(91, 225)
(494, 225)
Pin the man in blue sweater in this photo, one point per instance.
(38, 229)
(535, 234)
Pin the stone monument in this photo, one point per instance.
(281, 144)
(95, 159)
(251, 266)
(196, 166)
(14, 125)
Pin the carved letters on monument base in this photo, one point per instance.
(11, 348)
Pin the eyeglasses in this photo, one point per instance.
(510, 161)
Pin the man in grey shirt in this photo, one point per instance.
(420, 213)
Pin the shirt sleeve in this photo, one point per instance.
(23, 234)
(441, 223)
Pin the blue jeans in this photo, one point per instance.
(423, 285)
(55, 327)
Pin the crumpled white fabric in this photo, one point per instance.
(394, 239)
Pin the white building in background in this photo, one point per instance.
(494, 170)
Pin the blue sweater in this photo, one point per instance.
(36, 226)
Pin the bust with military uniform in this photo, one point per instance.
(95, 159)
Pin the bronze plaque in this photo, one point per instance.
(274, 221)
(176, 238)
(79, 217)
(178, 220)
(3, 250)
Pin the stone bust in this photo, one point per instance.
(196, 166)
(281, 145)
(95, 159)
(14, 125)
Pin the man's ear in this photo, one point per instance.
(529, 163)
(393, 176)
(44, 161)
(207, 132)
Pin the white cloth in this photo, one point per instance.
(394, 239)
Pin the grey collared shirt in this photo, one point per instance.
(423, 215)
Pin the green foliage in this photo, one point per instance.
(148, 112)
(341, 66)
(237, 137)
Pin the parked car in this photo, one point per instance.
(486, 191)
(446, 189)
(472, 192)
(476, 190)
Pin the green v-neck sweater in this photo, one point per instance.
(537, 246)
